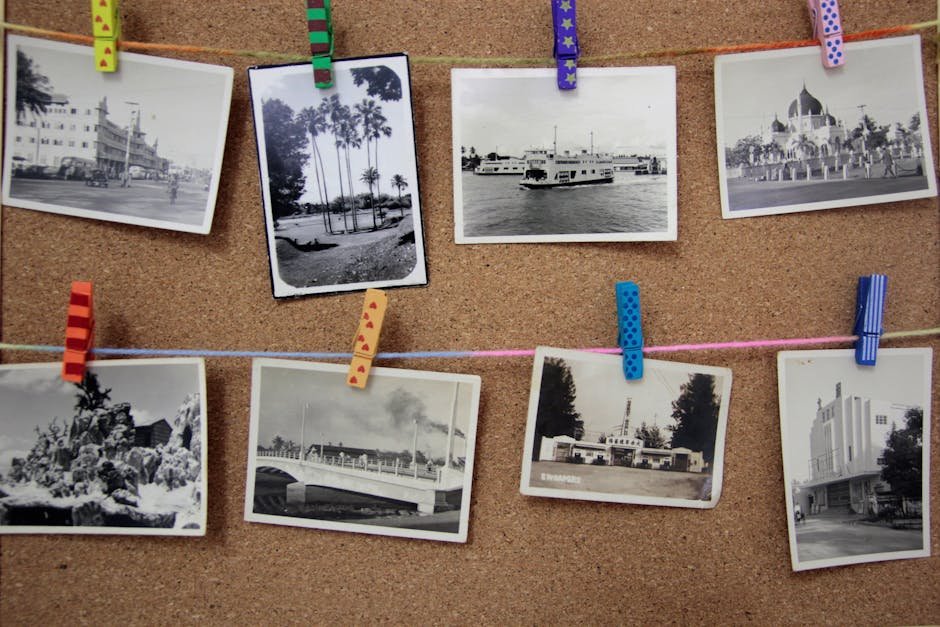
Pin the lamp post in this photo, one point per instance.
(127, 147)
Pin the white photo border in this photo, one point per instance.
(259, 364)
(616, 362)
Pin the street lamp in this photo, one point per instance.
(127, 148)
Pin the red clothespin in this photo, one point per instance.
(630, 329)
(566, 49)
(366, 343)
(79, 332)
(320, 29)
(869, 312)
(106, 28)
(826, 19)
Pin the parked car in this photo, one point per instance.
(96, 178)
(50, 172)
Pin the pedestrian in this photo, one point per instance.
(888, 160)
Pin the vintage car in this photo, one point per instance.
(96, 178)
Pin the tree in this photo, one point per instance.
(315, 122)
(741, 152)
(33, 90)
(556, 414)
(914, 125)
(399, 182)
(383, 82)
(652, 436)
(91, 396)
(370, 176)
(285, 141)
(278, 443)
(696, 416)
(333, 111)
(903, 456)
(350, 139)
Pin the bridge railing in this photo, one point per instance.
(398, 469)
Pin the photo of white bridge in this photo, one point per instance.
(365, 475)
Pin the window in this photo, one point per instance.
(18, 139)
(881, 419)
(880, 461)
(32, 140)
(71, 144)
(73, 110)
(583, 171)
(84, 144)
(87, 128)
(850, 452)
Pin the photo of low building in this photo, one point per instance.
(620, 451)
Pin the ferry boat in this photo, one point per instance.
(652, 166)
(509, 165)
(546, 169)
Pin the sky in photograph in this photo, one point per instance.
(180, 105)
(293, 85)
(33, 396)
(812, 375)
(509, 111)
(380, 416)
(756, 86)
(602, 393)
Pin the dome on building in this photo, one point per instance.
(808, 105)
(830, 119)
(777, 126)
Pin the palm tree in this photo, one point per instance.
(350, 139)
(370, 176)
(32, 88)
(315, 122)
(399, 181)
(332, 110)
(380, 128)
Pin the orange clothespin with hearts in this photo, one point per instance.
(366, 343)
(79, 331)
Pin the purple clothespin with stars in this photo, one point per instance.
(566, 50)
(827, 28)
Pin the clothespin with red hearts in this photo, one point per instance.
(366, 343)
(79, 331)
(106, 28)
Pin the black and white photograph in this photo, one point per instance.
(795, 136)
(140, 146)
(339, 176)
(533, 163)
(856, 455)
(122, 452)
(394, 459)
(594, 435)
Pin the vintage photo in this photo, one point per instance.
(123, 452)
(794, 136)
(339, 176)
(393, 459)
(141, 146)
(533, 163)
(856, 453)
(593, 435)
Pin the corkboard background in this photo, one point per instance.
(528, 560)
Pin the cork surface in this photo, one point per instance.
(528, 560)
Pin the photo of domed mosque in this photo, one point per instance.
(793, 136)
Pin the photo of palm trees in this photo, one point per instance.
(339, 176)
(794, 136)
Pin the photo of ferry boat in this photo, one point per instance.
(596, 165)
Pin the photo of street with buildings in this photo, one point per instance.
(393, 459)
(141, 146)
(339, 176)
(593, 435)
(856, 451)
(794, 136)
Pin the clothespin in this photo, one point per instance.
(827, 28)
(566, 50)
(320, 27)
(366, 343)
(106, 28)
(868, 314)
(79, 330)
(629, 329)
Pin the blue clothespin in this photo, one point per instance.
(868, 314)
(566, 50)
(629, 329)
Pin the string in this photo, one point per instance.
(458, 60)
(454, 354)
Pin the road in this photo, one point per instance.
(143, 199)
(832, 537)
(618, 480)
(750, 194)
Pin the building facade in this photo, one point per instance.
(846, 452)
(73, 132)
(620, 451)
(810, 131)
